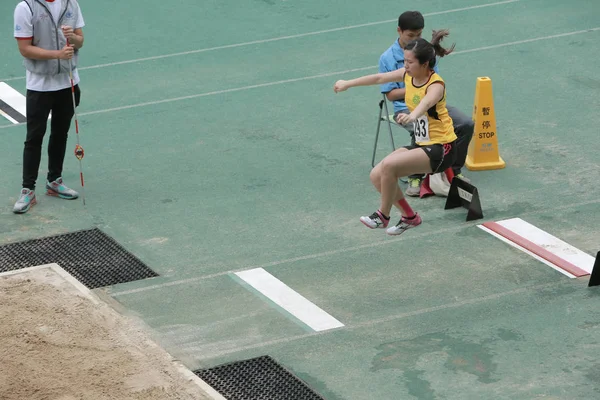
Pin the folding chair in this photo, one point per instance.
(389, 118)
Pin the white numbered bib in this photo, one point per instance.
(421, 127)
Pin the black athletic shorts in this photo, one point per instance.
(441, 156)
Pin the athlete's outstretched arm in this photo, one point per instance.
(435, 92)
(369, 80)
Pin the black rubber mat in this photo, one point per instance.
(91, 256)
(259, 378)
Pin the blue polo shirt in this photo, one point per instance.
(391, 60)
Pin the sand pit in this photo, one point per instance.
(61, 343)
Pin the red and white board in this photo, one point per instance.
(541, 245)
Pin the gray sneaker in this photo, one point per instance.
(414, 187)
(404, 224)
(26, 200)
(58, 188)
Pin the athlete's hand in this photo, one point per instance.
(66, 53)
(405, 119)
(340, 86)
(67, 31)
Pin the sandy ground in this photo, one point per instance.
(57, 344)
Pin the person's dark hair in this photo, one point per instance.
(426, 52)
(411, 21)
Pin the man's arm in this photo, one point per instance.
(30, 51)
(24, 36)
(396, 94)
(74, 36)
(392, 90)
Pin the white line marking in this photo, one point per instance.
(291, 301)
(193, 96)
(8, 117)
(280, 262)
(377, 322)
(331, 252)
(496, 46)
(513, 244)
(229, 46)
(551, 243)
(13, 98)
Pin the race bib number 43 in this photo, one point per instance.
(421, 126)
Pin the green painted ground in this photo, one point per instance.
(222, 160)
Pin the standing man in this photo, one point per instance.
(410, 27)
(49, 34)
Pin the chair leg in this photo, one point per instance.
(382, 103)
(377, 133)
(387, 113)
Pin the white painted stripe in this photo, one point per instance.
(513, 244)
(496, 46)
(386, 242)
(206, 355)
(229, 46)
(8, 117)
(13, 98)
(550, 243)
(291, 301)
(193, 96)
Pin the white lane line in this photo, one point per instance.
(206, 355)
(331, 252)
(229, 46)
(193, 96)
(496, 46)
(280, 262)
(8, 117)
(288, 299)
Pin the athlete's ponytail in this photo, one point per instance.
(436, 39)
(427, 52)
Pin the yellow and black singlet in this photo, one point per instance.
(435, 126)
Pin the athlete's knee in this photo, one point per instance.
(375, 174)
(389, 166)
